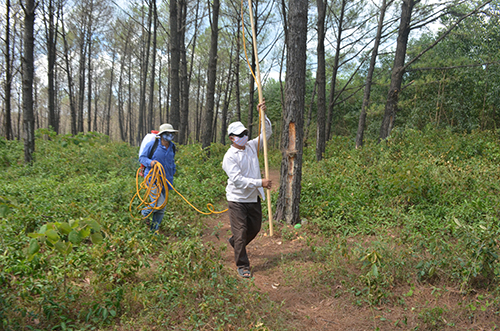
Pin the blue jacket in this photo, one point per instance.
(164, 156)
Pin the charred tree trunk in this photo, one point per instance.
(287, 207)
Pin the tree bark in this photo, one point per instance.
(110, 94)
(8, 77)
(211, 75)
(141, 123)
(321, 81)
(184, 94)
(335, 71)
(174, 66)
(150, 121)
(293, 118)
(227, 99)
(71, 94)
(28, 77)
(397, 69)
(369, 77)
(51, 39)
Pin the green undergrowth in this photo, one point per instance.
(380, 222)
(420, 208)
(72, 257)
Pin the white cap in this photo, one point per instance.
(166, 128)
(235, 128)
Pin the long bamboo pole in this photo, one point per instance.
(261, 99)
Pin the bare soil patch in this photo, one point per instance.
(283, 269)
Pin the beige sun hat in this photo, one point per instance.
(166, 128)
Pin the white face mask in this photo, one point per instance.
(240, 141)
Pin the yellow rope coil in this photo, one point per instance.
(157, 179)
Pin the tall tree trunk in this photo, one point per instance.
(184, 93)
(321, 81)
(81, 81)
(237, 73)
(130, 115)
(141, 123)
(51, 39)
(335, 71)
(8, 77)
(89, 87)
(227, 99)
(110, 94)
(175, 63)
(96, 102)
(199, 106)
(153, 69)
(287, 207)
(121, 117)
(369, 77)
(211, 75)
(71, 95)
(397, 69)
(28, 78)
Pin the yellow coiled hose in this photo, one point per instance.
(152, 192)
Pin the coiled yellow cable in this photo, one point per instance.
(157, 179)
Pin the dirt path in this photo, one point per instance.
(272, 259)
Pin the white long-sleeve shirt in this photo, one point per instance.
(244, 183)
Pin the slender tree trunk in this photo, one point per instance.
(121, 117)
(227, 99)
(69, 74)
(28, 78)
(51, 38)
(211, 75)
(369, 77)
(175, 63)
(89, 87)
(321, 81)
(8, 77)
(287, 207)
(141, 123)
(153, 69)
(96, 102)
(335, 71)
(81, 81)
(130, 115)
(237, 74)
(198, 106)
(110, 94)
(184, 93)
(398, 69)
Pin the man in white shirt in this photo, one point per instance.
(244, 189)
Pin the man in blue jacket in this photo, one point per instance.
(165, 154)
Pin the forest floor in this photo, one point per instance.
(282, 269)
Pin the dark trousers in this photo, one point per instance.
(246, 221)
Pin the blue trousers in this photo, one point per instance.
(157, 215)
